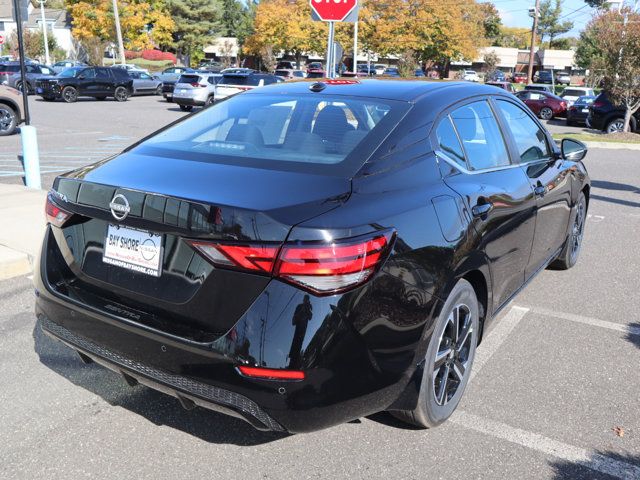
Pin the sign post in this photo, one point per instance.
(332, 11)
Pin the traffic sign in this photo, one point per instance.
(1, 39)
(333, 10)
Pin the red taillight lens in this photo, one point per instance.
(563, 104)
(597, 104)
(271, 373)
(55, 215)
(319, 267)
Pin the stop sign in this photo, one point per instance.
(333, 10)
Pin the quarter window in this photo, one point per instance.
(529, 137)
(480, 135)
(449, 143)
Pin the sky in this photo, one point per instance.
(515, 13)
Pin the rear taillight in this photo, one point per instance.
(322, 268)
(597, 104)
(563, 104)
(271, 373)
(198, 85)
(55, 215)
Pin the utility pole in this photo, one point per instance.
(116, 17)
(355, 46)
(534, 13)
(44, 32)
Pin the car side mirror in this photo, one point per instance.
(573, 150)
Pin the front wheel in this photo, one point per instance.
(8, 120)
(70, 94)
(209, 101)
(186, 108)
(159, 90)
(546, 113)
(616, 125)
(568, 257)
(448, 361)
(121, 94)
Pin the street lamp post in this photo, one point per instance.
(44, 32)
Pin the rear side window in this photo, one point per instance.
(102, 73)
(529, 137)
(480, 135)
(449, 143)
(284, 132)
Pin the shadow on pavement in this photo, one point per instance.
(156, 407)
(621, 465)
(634, 337)
(623, 187)
(617, 201)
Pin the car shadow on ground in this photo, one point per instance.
(623, 187)
(632, 336)
(158, 408)
(598, 462)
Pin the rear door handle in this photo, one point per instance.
(539, 191)
(481, 209)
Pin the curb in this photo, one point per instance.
(13, 263)
(613, 145)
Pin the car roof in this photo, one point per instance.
(409, 90)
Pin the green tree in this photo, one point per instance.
(197, 23)
(549, 21)
(491, 21)
(33, 43)
(514, 37)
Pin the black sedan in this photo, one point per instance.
(305, 254)
(578, 113)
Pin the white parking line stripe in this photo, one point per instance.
(588, 320)
(597, 462)
(495, 337)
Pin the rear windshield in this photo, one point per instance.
(570, 92)
(282, 73)
(189, 79)
(311, 133)
(248, 80)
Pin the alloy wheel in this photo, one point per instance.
(6, 119)
(577, 232)
(546, 113)
(452, 359)
(159, 90)
(121, 94)
(70, 95)
(616, 126)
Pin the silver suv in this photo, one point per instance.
(195, 89)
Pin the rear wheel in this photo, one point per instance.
(616, 125)
(121, 94)
(8, 120)
(209, 101)
(69, 94)
(186, 108)
(159, 90)
(571, 251)
(447, 364)
(546, 113)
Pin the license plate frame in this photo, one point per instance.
(133, 249)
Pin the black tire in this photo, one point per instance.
(434, 404)
(8, 120)
(49, 98)
(69, 94)
(568, 257)
(101, 98)
(159, 90)
(186, 108)
(121, 94)
(168, 99)
(210, 101)
(546, 113)
(20, 86)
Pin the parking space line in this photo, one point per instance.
(628, 329)
(496, 336)
(534, 441)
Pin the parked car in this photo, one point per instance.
(242, 80)
(543, 76)
(605, 116)
(286, 65)
(563, 78)
(419, 73)
(578, 111)
(196, 89)
(276, 258)
(503, 85)
(470, 76)
(571, 94)
(539, 87)
(8, 68)
(64, 64)
(145, 84)
(315, 70)
(33, 71)
(380, 68)
(496, 76)
(169, 77)
(211, 66)
(544, 104)
(129, 68)
(96, 82)
(11, 110)
(369, 70)
(519, 77)
(288, 74)
(391, 72)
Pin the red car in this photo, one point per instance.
(503, 85)
(315, 70)
(519, 77)
(544, 104)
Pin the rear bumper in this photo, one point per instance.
(189, 101)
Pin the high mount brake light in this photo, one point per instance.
(322, 268)
(55, 215)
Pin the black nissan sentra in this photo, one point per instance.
(305, 254)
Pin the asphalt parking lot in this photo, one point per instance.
(555, 392)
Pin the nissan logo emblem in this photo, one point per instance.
(119, 207)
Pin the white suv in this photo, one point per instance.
(470, 76)
(195, 89)
(571, 94)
